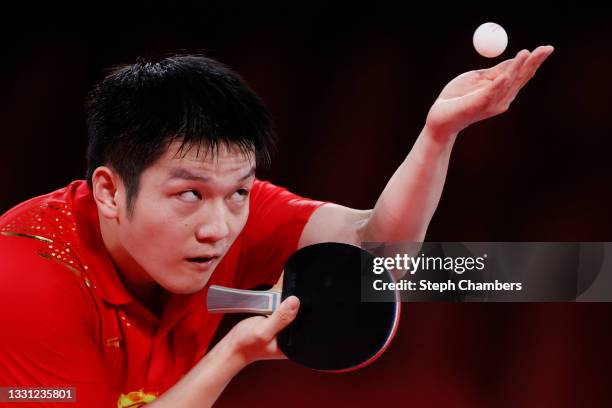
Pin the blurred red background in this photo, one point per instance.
(349, 87)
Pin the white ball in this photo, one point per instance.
(490, 40)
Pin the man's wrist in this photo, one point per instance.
(442, 137)
(432, 145)
(226, 351)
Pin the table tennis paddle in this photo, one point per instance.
(334, 329)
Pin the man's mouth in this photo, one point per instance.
(202, 259)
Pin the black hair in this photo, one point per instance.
(138, 110)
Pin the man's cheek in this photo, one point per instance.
(159, 223)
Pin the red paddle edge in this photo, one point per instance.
(398, 309)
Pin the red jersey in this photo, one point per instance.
(66, 320)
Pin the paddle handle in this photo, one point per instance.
(228, 300)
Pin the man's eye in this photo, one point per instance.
(240, 194)
(190, 196)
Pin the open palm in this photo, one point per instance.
(481, 94)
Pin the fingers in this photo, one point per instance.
(524, 64)
(513, 75)
(281, 317)
(537, 57)
(519, 63)
(525, 68)
(507, 66)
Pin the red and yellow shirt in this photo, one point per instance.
(66, 320)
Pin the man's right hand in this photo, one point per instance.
(254, 338)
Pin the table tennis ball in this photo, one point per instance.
(490, 40)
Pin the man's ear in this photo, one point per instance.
(106, 192)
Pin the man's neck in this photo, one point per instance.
(153, 298)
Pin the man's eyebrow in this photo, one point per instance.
(249, 174)
(187, 175)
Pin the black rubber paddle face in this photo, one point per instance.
(334, 330)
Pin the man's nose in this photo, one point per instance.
(214, 222)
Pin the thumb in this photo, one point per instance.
(281, 317)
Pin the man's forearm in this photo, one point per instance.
(204, 383)
(407, 204)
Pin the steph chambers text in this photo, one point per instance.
(466, 285)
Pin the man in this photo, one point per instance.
(104, 281)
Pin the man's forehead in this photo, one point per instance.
(202, 163)
(208, 157)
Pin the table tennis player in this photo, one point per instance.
(103, 282)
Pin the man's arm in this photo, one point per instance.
(407, 204)
(250, 340)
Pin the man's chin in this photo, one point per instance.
(188, 286)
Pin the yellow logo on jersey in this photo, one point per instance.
(135, 399)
